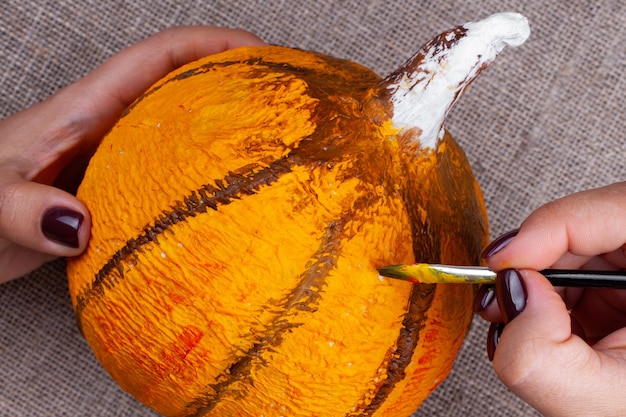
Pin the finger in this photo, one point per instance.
(567, 232)
(42, 218)
(543, 363)
(492, 313)
(485, 304)
(74, 119)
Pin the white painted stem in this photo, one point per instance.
(425, 88)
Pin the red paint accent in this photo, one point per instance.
(175, 353)
(175, 298)
(215, 266)
(190, 337)
(426, 358)
(186, 340)
(431, 335)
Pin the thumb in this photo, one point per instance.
(544, 363)
(39, 218)
(571, 230)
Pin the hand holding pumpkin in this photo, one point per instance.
(562, 350)
(45, 148)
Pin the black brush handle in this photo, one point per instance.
(588, 279)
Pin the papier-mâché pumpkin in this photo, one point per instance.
(240, 209)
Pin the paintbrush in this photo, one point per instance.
(421, 273)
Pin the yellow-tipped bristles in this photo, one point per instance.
(439, 274)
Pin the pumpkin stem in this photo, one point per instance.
(425, 88)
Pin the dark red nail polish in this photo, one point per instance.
(511, 293)
(499, 243)
(493, 337)
(61, 225)
(484, 297)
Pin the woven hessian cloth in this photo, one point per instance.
(544, 121)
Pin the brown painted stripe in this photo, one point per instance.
(303, 297)
(399, 356)
(232, 186)
(426, 247)
(189, 73)
(257, 62)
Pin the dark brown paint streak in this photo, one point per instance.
(426, 248)
(399, 356)
(253, 62)
(208, 197)
(303, 297)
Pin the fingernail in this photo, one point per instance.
(499, 243)
(493, 337)
(484, 297)
(511, 293)
(61, 225)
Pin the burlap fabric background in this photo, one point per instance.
(544, 121)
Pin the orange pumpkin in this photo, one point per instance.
(240, 209)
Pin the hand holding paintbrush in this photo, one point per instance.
(562, 350)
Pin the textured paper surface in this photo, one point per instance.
(544, 121)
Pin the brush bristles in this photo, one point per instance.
(397, 272)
